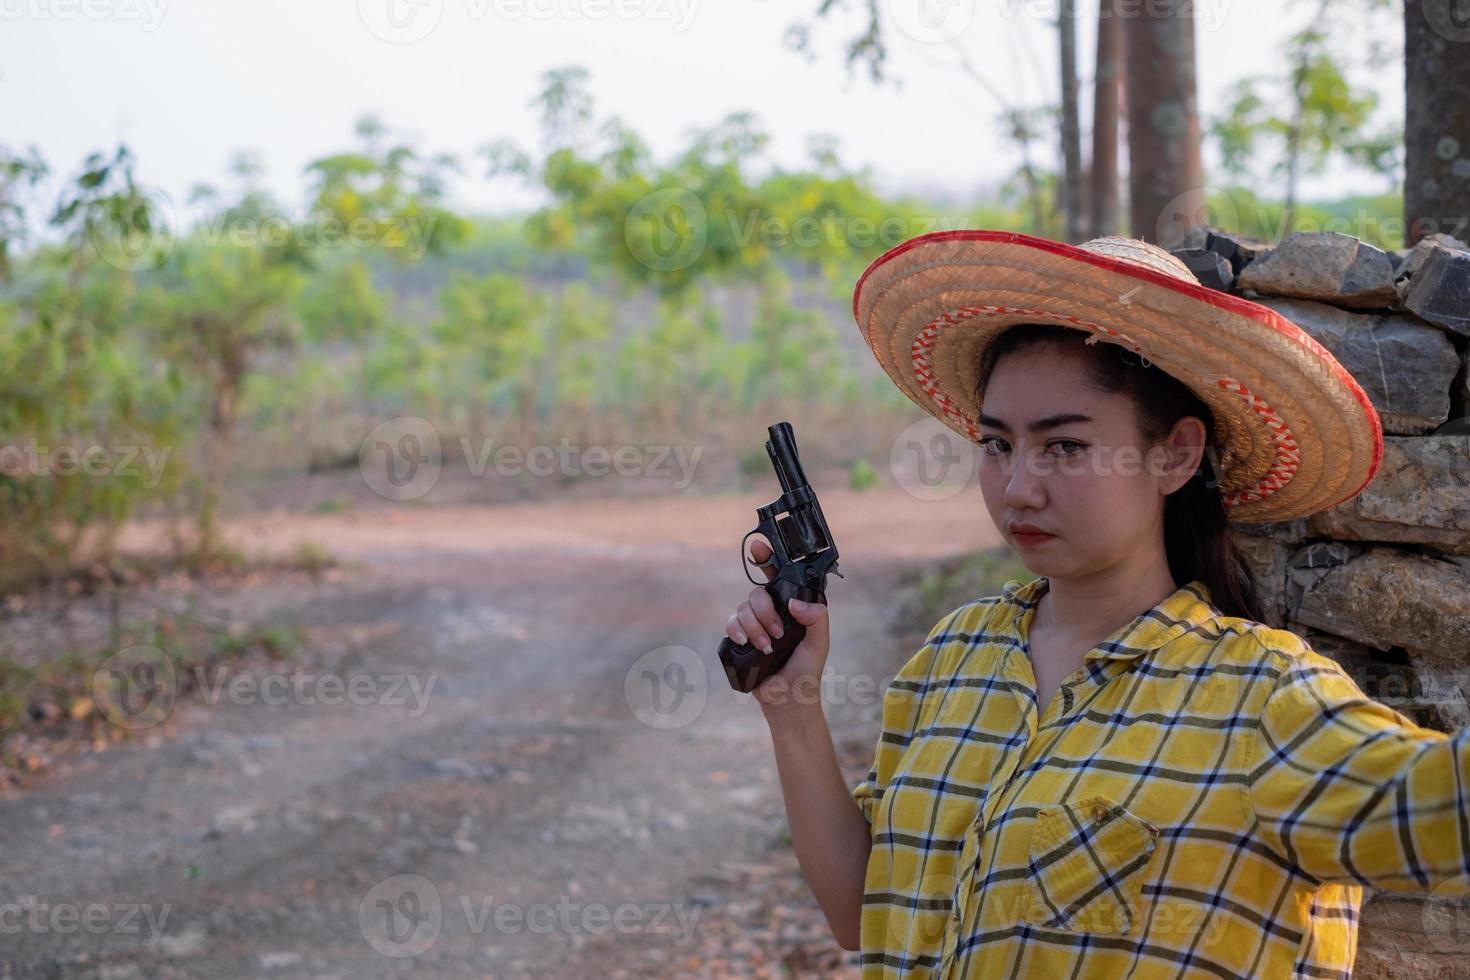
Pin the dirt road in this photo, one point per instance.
(508, 751)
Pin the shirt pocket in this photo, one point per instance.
(1086, 866)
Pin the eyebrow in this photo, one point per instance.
(1040, 425)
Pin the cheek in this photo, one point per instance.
(992, 486)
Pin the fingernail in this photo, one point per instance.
(776, 631)
(769, 648)
(741, 638)
(797, 604)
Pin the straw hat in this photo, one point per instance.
(1294, 432)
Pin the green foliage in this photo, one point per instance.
(1376, 220)
(1305, 117)
(342, 304)
(583, 328)
(88, 421)
(383, 198)
(490, 338)
(862, 476)
(793, 352)
(17, 174)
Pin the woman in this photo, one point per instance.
(1114, 769)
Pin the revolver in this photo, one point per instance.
(802, 554)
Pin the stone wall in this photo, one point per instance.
(1380, 583)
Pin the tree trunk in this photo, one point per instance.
(1294, 148)
(1107, 89)
(1436, 119)
(1072, 204)
(217, 464)
(1165, 174)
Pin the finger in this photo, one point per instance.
(733, 630)
(753, 628)
(765, 611)
(812, 615)
(760, 551)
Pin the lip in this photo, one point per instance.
(1021, 527)
(1028, 534)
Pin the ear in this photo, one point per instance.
(1182, 451)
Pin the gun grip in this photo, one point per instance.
(745, 666)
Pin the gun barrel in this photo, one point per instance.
(782, 449)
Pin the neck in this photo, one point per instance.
(1091, 608)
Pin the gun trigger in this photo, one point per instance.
(834, 571)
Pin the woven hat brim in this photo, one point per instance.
(1294, 430)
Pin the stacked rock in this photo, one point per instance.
(1380, 583)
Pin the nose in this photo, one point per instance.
(1024, 490)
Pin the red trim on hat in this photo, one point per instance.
(1224, 301)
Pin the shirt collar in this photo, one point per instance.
(1184, 610)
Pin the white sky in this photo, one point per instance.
(186, 83)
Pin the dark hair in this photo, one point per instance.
(1197, 537)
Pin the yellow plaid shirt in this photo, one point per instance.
(1207, 797)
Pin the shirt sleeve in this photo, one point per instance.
(900, 713)
(1349, 790)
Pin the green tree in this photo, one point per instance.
(383, 199)
(19, 173)
(1307, 117)
(218, 309)
(493, 338)
(88, 416)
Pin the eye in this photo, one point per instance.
(990, 446)
(1069, 442)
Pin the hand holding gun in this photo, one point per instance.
(800, 556)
